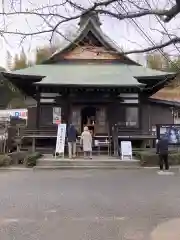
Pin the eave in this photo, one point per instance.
(165, 102)
(138, 86)
(107, 76)
(156, 83)
(23, 82)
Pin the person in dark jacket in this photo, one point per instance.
(162, 150)
(72, 135)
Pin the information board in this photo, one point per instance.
(169, 131)
(126, 149)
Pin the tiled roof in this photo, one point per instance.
(168, 94)
(82, 74)
(89, 74)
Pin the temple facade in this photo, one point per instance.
(94, 84)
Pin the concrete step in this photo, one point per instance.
(84, 167)
(81, 164)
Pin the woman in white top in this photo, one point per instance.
(86, 141)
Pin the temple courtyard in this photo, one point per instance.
(89, 205)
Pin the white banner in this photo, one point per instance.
(60, 141)
(126, 149)
(18, 113)
(56, 115)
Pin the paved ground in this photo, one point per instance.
(89, 205)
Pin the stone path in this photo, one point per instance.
(89, 204)
(169, 230)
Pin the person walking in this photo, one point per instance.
(162, 150)
(72, 136)
(86, 141)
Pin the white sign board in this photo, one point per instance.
(126, 149)
(56, 115)
(96, 142)
(18, 113)
(60, 141)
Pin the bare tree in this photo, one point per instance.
(52, 17)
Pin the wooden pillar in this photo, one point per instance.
(141, 113)
(38, 108)
(68, 112)
(67, 108)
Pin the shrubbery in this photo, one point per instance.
(5, 160)
(18, 157)
(26, 158)
(150, 158)
(31, 159)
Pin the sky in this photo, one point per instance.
(125, 33)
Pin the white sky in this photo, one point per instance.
(124, 33)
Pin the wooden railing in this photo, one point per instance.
(35, 132)
(53, 132)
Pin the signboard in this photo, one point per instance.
(18, 113)
(60, 141)
(171, 132)
(154, 131)
(56, 115)
(126, 149)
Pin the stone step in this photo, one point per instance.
(66, 163)
(85, 167)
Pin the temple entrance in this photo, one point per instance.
(88, 118)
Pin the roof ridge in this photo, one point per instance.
(70, 41)
(98, 30)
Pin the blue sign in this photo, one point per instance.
(17, 114)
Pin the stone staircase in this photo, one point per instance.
(98, 162)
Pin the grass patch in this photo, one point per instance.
(150, 158)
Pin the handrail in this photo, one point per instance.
(26, 132)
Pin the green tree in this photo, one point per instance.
(20, 61)
(174, 65)
(8, 93)
(158, 61)
(9, 60)
(165, 63)
(43, 53)
(14, 98)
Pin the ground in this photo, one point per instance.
(88, 204)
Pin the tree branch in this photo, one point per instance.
(166, 15)
(120, 16)
(100, 11)
(164, 33)
(172, 12)
(101, 7)
(24, 34)
(159, 46)
(33, 13)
